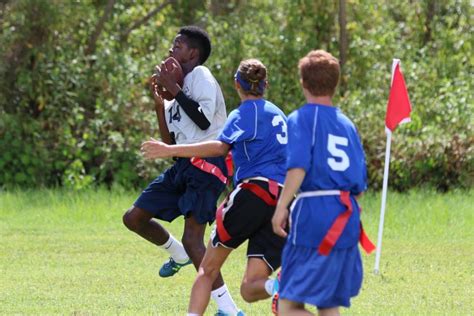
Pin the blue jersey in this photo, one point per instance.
(257, 132)
(325, 143)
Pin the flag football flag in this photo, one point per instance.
(398, 106)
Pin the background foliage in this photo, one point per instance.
(74, 102)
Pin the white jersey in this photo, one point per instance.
(200, 86)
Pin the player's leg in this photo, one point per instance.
(193, 240)
(287, 307)
(208, 272)
(141, 222)
(253, 284)
(193, 243)
(159, 200)
(264, 252)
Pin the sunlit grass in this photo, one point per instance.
(68, 253)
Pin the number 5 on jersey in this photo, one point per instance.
(343, 162)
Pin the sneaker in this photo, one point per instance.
(275, 295)
(222, 313)
(171, 267)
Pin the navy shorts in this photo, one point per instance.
(248, 217)
(323, 281)
(184, 190)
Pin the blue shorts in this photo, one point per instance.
(184, 190)
(323, 281)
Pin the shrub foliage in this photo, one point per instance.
(75, 106)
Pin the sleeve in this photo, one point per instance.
(204, 91)
(299, 147)
(361, 184)
(193, 109)
(239, 127)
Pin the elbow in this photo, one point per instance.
(223, 149)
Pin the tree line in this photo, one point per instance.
(75, 105)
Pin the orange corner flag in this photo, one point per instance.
(398, 106)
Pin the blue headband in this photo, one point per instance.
(248, 86)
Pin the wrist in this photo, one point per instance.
(175, 90)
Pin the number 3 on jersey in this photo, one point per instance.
(282, 137)
(343, 162)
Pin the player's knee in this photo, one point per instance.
(246, 293)
(131, 221)
(208, 271)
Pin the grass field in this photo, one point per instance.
(68, 253)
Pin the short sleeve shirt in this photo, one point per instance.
(257, 132)
(325, 143)
(200, 86)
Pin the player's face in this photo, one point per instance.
(180, 49)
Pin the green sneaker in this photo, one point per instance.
(171, 267)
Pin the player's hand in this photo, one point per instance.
(280, 220)
(166, 79)
(153, 149)
(153, 83)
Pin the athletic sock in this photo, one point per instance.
(224, 301)
(269, 286)
(192, 314)
(176, 250)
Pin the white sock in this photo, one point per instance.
(224, 301)
(192, 314)
(269, 286)
(176, 250)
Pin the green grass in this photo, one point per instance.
(68, 253)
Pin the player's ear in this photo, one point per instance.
(237, 85)
(194, 53)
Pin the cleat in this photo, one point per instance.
(275, 295)
(222, 313)
(171, 267)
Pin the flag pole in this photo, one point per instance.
(384, 199)
(398, 112)
(395, 61)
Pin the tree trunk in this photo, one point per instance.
(343, 42)
(137, 24)
(92, 43)
(430, 13)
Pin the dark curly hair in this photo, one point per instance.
(197, 38)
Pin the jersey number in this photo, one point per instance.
(176, 116)
(342, 163)
(282, 137)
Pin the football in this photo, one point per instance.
(173, 66)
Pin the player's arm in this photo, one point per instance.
(293, 180)
(192, 108)
(160, 111)
(154, 149)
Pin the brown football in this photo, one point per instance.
(174, 67)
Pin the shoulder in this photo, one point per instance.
(271, 107)
(299, 114)
(201, 72)
(345, 119)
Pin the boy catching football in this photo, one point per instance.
(196, 113)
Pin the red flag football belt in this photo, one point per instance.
(335, 231)
(255, 189)
(209, 168)
(229, 164)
